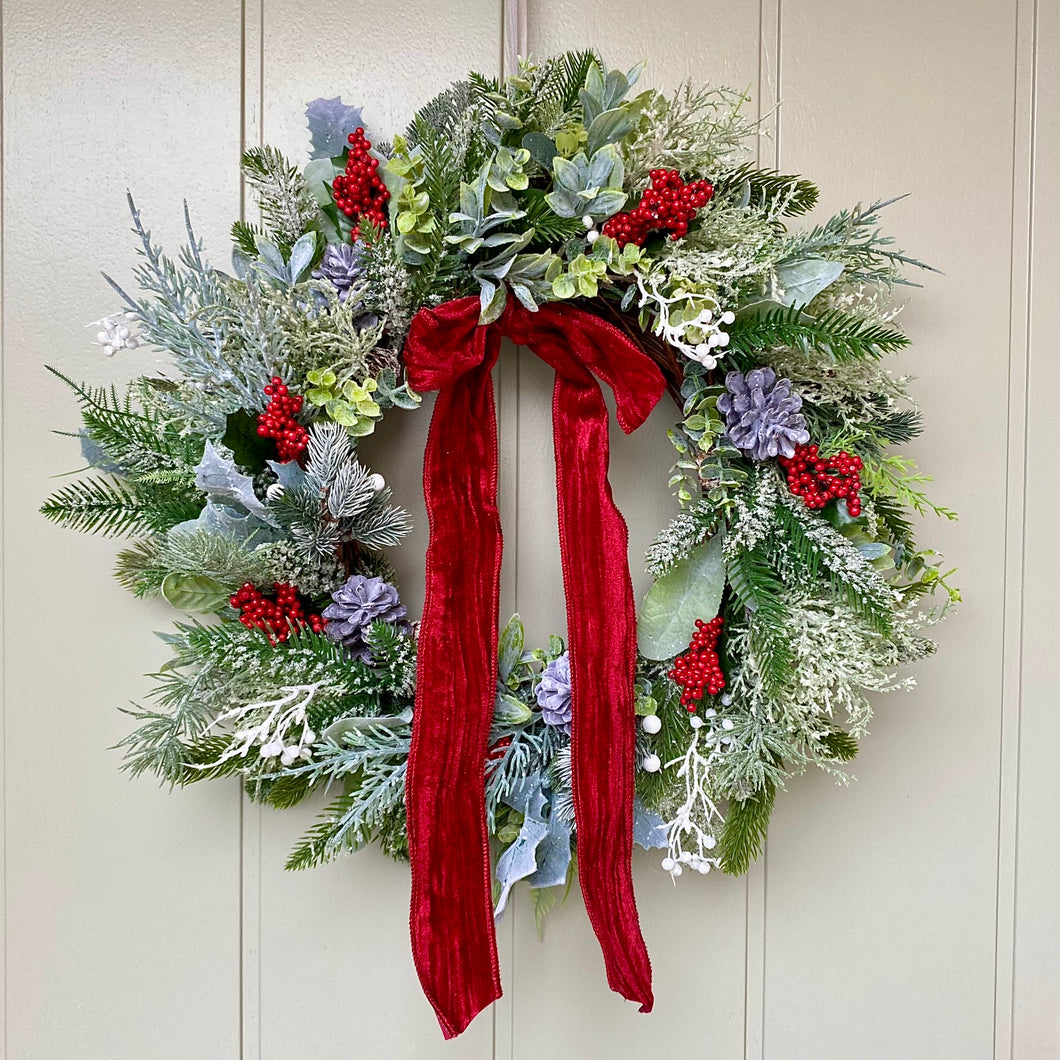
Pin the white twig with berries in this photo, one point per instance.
(285, 713)
(690, 835)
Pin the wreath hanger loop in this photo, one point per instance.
(453, 937)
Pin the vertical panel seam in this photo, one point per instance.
(1020, 294)
(512, 44)
(3, 563)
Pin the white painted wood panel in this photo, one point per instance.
(913, 915)
(122, 925)
(881, 898)
(1035, 1000)
(339, 936)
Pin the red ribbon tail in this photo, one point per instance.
(453, 940)
(601, 627)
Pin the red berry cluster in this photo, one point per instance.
(699, 669)
(818, 480)
(359, 192)
(275, 615)
(278, 421)
(667, 206)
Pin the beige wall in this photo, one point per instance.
(912, 916)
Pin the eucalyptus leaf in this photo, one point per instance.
(193, 592)
(872, 550)
(690, 590)
(337, 729)
(318, 177)
(802, 281)
(542, 148)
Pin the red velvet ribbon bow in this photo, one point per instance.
(453, 939)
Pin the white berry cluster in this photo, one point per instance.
(116, 333)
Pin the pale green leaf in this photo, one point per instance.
(690, 590)
(193, 592)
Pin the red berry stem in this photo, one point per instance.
(276, 615)
(278, 421)
(818, 480)
(667, 206)
(359, 193)
(699, 669)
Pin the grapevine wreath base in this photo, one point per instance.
(622, 237)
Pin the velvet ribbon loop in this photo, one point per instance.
(453, 939)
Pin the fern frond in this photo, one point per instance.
(789, 195)
(245, 236)
(758, 589)
(557, 86)
(125, 433)
(136, 568)
(115, 508)
(811, 544)
(744, 833)
(839, 745)
(841, 336)
(288, 207)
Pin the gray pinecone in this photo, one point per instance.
(342, 266)
(762, 414)
(358, 603)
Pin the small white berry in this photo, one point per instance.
(726, 700)
(686, 857)
(651, 763)
(711, 712)
(728, 724)
(592, 235)
(696, 722)
(668, 864)
(676, 870)
(703, 868)
(588, 221)
(651, 724)
(710, 842)
(376, 482)
(728, 316)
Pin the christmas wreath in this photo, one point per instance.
(621, 237)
